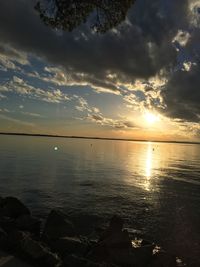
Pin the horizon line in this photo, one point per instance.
(100, 138)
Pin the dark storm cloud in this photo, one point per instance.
(182, 95)
(140, 48)
(125, 53)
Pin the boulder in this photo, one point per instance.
(7, 224)
(130, 257)
(38, 253)
(118, 240)
(76, 261)
(164, 259)
(114, 244)
(1, 201)
(70, 245)
(28, 223)
(114, 235)
(57, 225)
(15, 239)
(99, 253)
(3, 237)
(8, 260)
(13, 208)
(143, 255)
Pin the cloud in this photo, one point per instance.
(21, 87)
(9, 57)
(181, 38)
(124, 53)
(4, 110)
(95, 115)
(109, 122)
(8, 118)
(36, 115)
(151, 60)
(182, 95)
(2, 96)
(82, 105)
(59, 77)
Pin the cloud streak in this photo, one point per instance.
(24, 89)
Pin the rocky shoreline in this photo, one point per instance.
(58, 244)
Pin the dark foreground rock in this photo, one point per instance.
(70, 245)
(13, 207)
(28, 223)
(9, 260)
(57, 225)
(58, 244)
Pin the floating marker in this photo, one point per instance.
(55, 148)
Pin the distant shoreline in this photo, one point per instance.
(100, 138)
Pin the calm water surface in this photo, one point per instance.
(154, 186)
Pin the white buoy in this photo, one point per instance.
(55, 148)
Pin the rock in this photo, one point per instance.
(143, 255)
(70, 245)
(99, 253)
(37, 252)
(130, 257)
(1, 201)
(118, 240)
(8, 260)
(114, 236)
(115, 226)
(28, 223)
(3, 237)
(13, 208)
(8, 224)
(57, 226)
(15, 239)
(164, 259)
(75, 261)
(114, 244)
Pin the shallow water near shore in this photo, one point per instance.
(155, 187)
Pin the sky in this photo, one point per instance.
(139, 80)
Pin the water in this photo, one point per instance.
(154, 186)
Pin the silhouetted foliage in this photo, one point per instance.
(68, 14)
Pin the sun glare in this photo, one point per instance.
(150, 117)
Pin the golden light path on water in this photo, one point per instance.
(148, 167)
(144, 165)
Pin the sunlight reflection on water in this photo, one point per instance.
(147, 183)
(154, 186)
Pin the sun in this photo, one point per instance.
(151, 118)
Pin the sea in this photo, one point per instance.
(154, 186)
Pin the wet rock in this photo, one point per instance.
(37, 252)
(3, 237)
(70, 245)
(114, 244)
(114, 236)
(7, 224)
(15, 239)
(164, 259)
(28, 223)
(129, 257)
(143, 255)
(57, 226)
(1, 201)
(118, 240)
(99, 253)
(8, 260)
(76, 261)
(13, 208)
